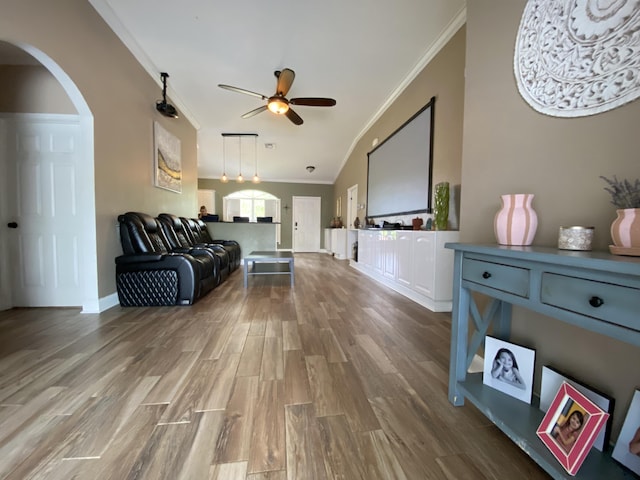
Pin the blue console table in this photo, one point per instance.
(593, 290)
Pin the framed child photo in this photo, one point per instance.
(509, 368)
(552, 380)
(570, 427)
(627, 449)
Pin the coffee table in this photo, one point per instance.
(268, 263)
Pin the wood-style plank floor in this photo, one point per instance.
(335, 378)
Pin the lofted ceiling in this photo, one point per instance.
(362, 53)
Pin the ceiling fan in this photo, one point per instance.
(278, 103)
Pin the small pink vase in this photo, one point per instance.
(625, 230)
(516, 222)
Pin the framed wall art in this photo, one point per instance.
(509, 368)
(570, 427)
(167, 159)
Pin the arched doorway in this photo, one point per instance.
(82, 229)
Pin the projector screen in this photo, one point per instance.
(399, 171)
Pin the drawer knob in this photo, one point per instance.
(486, 275)
(596, 302)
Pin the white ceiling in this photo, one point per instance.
(360, 52)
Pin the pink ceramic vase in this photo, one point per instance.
(625, 230)
(516, 222)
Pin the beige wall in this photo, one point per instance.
(507, 147)
(32, 89)
(285, 192)
(443, 78)
(121, 97)
(510, 148)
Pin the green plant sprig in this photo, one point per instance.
(624, 194)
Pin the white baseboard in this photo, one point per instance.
(102, 304)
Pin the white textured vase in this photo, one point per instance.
(516, 222)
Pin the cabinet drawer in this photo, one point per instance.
(501, 277)
(605, 301)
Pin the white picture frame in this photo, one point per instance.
(167, 159)
(629, 438)
(551, 381)
(509, 368)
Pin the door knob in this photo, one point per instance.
(12, 225)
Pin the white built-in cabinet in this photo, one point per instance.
(412, 262)
(339, 242)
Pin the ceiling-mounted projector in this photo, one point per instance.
(162, 106)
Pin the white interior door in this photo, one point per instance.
(5, 196)
(352, 205)
(306, 224)
(43, 157)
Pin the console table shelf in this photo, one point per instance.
(593, 290)
(519, 421)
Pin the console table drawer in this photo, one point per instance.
(605, 301)
(501, 277)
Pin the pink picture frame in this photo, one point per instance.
(570, 427)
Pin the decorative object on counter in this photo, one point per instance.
(391, 225)
(516, 222)
(429, 224)
(356, 223)
(441, 207)
(336, 222)
(625, 229)
(587, 65)
(417, 223)
(575, 238)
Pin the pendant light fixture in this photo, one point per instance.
(239, 136)
(240, 178)
(256, 178)
(224, 178)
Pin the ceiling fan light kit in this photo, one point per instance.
(278, 103)
(162, 106)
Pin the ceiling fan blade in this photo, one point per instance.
(254, 112)
(313, 102)
(242, 90)
(285, 79)
(294, 117)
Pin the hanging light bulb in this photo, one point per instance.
(224, 178)
(240, 178)
(256, 178)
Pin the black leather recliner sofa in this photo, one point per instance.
(181, 241)
(149, 273)
(200, 235)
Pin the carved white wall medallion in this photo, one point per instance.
(578, 57)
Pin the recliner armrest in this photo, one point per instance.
(139, 258)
